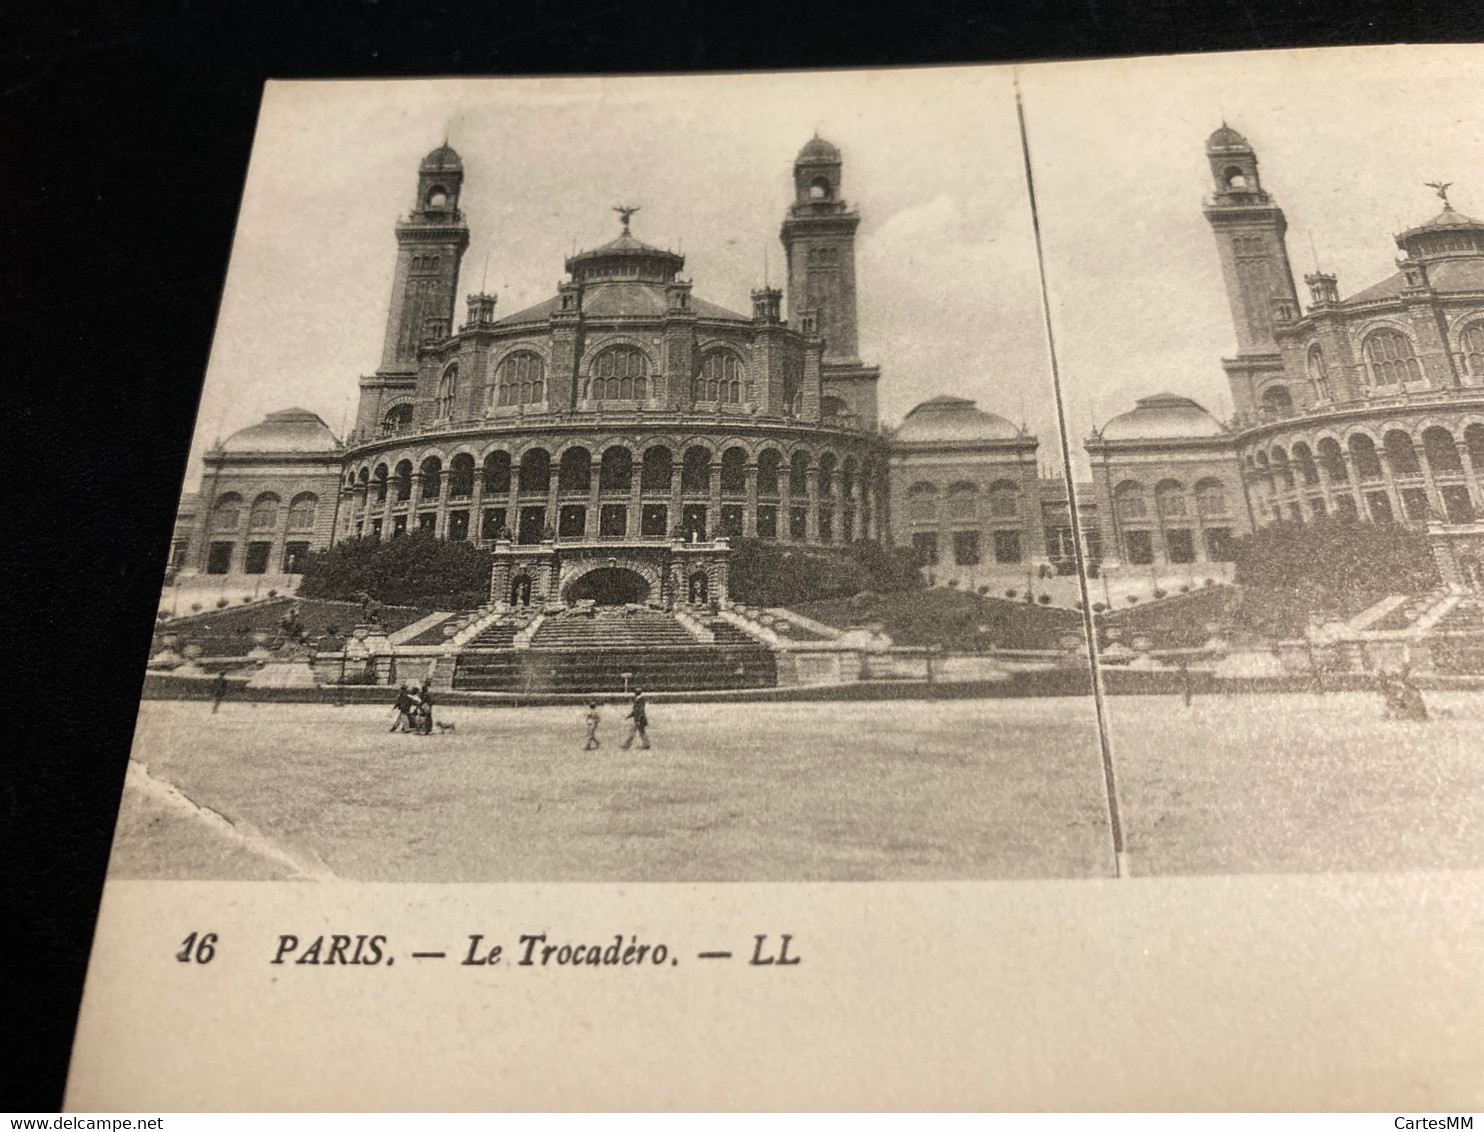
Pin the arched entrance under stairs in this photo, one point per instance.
(609, 585)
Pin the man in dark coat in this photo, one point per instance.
(638, 719)
(403, 707)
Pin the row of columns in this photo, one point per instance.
(863, 502)
(1389, 481)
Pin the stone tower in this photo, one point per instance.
(1250, 231)
(819, 241)
(430, 244)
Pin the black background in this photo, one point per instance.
(127, 130)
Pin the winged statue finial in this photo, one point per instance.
(624, 212)
(1441, 188)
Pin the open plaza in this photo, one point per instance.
(899, 790)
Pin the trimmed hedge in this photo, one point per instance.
(414, 569)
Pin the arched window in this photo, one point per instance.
(403, 479)
(1281, 468)
(695, 470)
(1363, 456)
(497, 473)
(769, 461)
(461, 476)
(1332, 460)
(617, 470)
(1210, 497)
(826, 479)
(437, 197)
(448, 391)
(1004, 500)
(962, 501)
(1303, 459)
(819, 188)
(1471, 349)
(520, 380)
(379, 479)
(1473, 439)
(847, 478)
(1234, 178)
(1130, 502)
(535, 470)
(1442, 452)
(922, 501)
(833, 407)
(1401, 454)
(227, 513)
(1277, 403)
(1318, 367)
(793, 381)
(1390, 358)
(733, 471)
(1169, 496)
(657, 471)
(575, 471)
(398, 419)
(304, 505)
(432, 471)
(264, 515)
(619, 373)
(798, 474)
(720, 378)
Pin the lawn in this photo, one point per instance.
(806, 792)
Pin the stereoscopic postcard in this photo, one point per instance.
(953, 588)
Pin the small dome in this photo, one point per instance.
(289, 430)
(443, 159)
(816, 149)
(1226, 138)
(1448, 233)
(1165, 416)
(952, 419)
(625, 260)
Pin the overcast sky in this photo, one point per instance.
(946, 265)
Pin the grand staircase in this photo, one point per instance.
(610, 650)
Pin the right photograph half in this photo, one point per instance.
(1265, 279)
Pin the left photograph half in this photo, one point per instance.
(629, 479)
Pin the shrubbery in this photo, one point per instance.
(415, 569)
(958, 620)
(1328, 568)
(764, 573)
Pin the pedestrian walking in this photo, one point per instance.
(425, 711)
(592, 726)
(402, 705)
(218, 692)
(638, 718)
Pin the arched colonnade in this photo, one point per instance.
(1428, 470)
(659, 488)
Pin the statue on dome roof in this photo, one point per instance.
(624, 212)
(1441, 188)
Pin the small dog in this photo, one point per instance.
(445, 726)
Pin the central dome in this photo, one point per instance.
(625, 259)
(953, 419)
